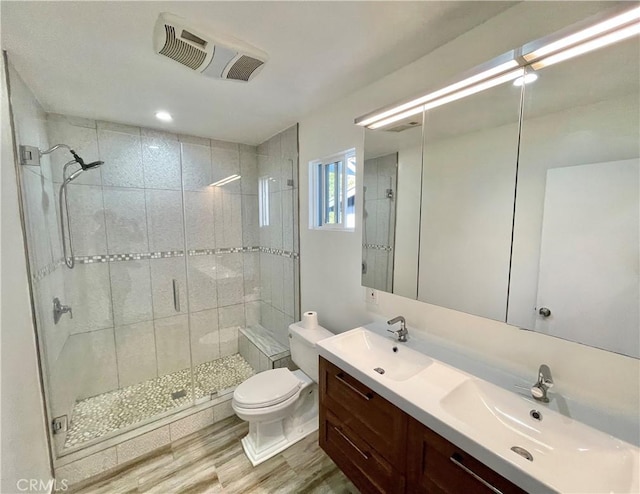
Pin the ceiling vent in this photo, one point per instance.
(214, 56)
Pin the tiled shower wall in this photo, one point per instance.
(380, 175)
(279, 256)
(129, 236)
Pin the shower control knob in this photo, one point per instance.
(544, 312)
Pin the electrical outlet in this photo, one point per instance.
(371, 296)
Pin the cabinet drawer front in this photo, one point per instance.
(438, 463)
(377, 421)
(367, 469)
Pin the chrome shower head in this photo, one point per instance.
(93, 164)
(80, 161)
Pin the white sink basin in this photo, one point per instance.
(488, 421)
(572, 456)
(377, 355)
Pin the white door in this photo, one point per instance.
(589, 255)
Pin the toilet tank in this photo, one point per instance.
(303, 347)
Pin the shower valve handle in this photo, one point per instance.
(59, 310)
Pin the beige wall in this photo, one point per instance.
(330, 261)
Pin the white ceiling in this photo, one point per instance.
(96, 59)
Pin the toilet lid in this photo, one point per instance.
(267, 388)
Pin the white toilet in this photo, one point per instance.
(280, 405)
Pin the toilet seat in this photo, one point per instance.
(267, 389)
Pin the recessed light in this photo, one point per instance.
(526, 79)
(164, 116)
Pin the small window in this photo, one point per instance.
(333, 187)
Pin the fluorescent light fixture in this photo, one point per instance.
(602, 34)
(164, 116)
(396, 118)
(440, 92)
(496, 81)
(594, 44)
(225, 181)
(585, 34)
(526, 79)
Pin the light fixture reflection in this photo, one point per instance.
(496, 81)
(225, 181)
(409, 106)
(526, 79)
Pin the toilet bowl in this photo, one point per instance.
(280, 405)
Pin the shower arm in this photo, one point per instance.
(53, 148)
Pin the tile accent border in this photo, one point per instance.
(377, 247)
(279, 252)
(227, 250)
(140, 256)
(134, 256)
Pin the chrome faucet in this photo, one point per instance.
(545, 381)
(403, 331)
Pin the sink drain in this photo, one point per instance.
(379, 370)
(522, 452)
(536, 415)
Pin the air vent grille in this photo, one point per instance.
(243, 68)
(182, 52)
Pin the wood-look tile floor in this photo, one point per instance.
(212, 461)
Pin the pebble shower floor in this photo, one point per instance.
(99, 415)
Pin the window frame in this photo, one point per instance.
(319, 195)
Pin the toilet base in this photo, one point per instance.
(257, 453)
(267, 439)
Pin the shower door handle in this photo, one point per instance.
(176, 296)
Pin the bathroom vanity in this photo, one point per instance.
(396, 420)
(384, 450)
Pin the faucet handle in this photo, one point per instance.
(544, 376)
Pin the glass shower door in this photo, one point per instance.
(216, 283)
(128, 348)
(120, 357)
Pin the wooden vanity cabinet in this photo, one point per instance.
(434, 465)
(385, 451)
(362, 432)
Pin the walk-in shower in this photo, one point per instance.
(119, 358)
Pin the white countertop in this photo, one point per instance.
(560, 464)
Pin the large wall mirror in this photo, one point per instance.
(576, 236)
(469, 172)
(391, 216)
(519, 203)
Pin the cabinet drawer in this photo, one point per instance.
(439, 466)
(367, 469)
(381, 424)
